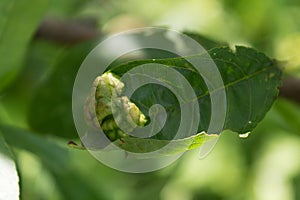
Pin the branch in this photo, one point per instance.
(67, 32)
(290, 89)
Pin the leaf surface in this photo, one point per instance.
(251, 82)
(51, 105)
(18, 22)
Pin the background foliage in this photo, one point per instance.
(264, 166)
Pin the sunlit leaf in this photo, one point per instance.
(9, 180)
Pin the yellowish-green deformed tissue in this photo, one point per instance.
(99, 112)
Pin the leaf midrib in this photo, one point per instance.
(236, 81)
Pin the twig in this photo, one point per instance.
(67, 32)
(290, 89)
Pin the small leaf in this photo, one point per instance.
(9, 180)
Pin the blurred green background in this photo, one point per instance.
(38, 69)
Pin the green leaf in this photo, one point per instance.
(250, 79)
(56, 159)
(18, 21)
(9, 180)
(296, 187)
(285, 111)
(40, 58)
(50, 110)
(4, 118)
(65, 8)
